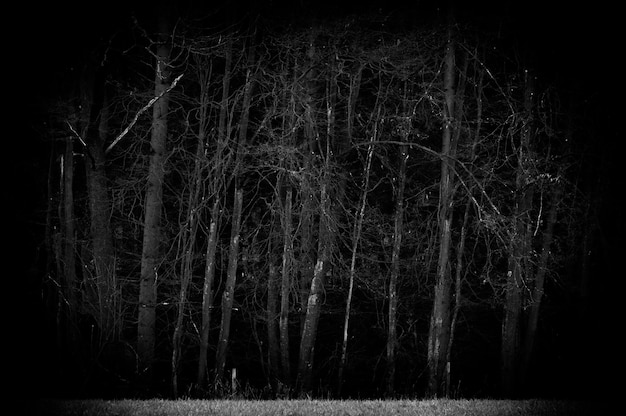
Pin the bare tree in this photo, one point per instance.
(356, 236)
(229, 288)
(150, 256)
(233, 255)
(207, 294)
(539, 282)
(398, 221)
(520, 238)
(186, 253)
(439, 334)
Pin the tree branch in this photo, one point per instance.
(140, 112)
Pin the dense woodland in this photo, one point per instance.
(275, 205)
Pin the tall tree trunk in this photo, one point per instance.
(325, 231)
(285, 196)
(186, 253)
(205, 72)
(392, 338)
(273, 344)
(69, 239)
(537, 293)
(512, 325)
(457, 293)
(461, 244)
(100, 210)
(356, 237)
(285, 287)
(67, 303)
(150, 256)
(233, 256)
(439, 333)
(229, 288)
(207, 294)
(307, 244)
(313, 310)
(519, 252)
(308, 208)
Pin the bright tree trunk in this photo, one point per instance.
(439, 334)
(150, 256)
(314, 306)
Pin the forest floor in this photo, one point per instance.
(307, 407)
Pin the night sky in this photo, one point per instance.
(574, 45)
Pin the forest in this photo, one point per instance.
(273, 204)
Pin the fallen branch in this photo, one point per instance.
(140, 112)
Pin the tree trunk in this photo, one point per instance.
(67, 307)
(511, 327)
(309, 330)
(307, 210)
(325, 231)
(273, 344)
(537, 293)
(229, 288)
(69, 239)
(186, 253)
(285, 287)
(207, 294)
(307, 247)
(439, 333)
(457, 293)
(356, 237)
(100, 212)
(520, 250)
(464, 228)
(150, 256)
(395, 271)
(214, 189)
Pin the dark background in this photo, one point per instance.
(574, 45)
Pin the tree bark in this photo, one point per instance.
(273, 344)
(313, 310)
(463, 235)
(67, 305)
(356, 237)
(186, 253)
(285, 287)
(537, 293)
(150, 256)
(100, 209)
(213, 182)
(229, 289)
(307, 209)
(519, 252)
(392, 338)
(207, 294)
(439, 333)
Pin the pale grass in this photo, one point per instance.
(308, 408)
